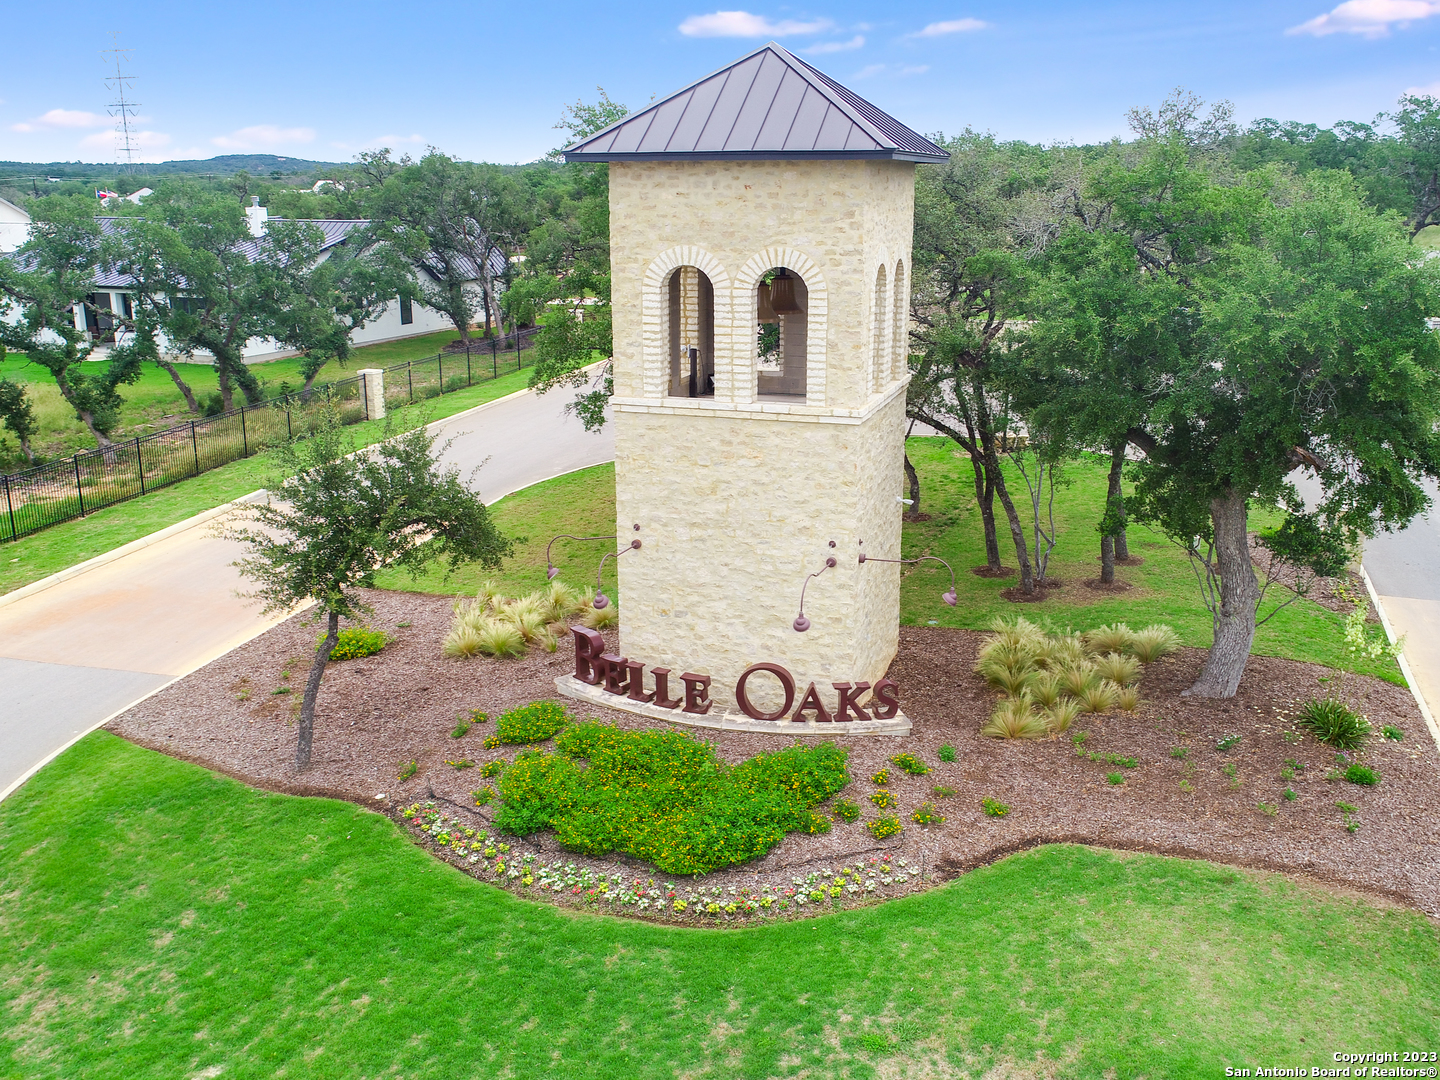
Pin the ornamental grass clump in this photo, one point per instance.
(1100, 696)
(1332, 721)
(665, 797)
(1046, 689)
(1078, 678)
(1061, 715)
(1119, 669)
(492, 624)
(1153, 642)
(1015, 718)
(1115, 638)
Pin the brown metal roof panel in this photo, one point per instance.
(662, 127)
(774, 134)
(716, 133)
(809, 116)
(758, 102)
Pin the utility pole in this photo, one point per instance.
(122, 108)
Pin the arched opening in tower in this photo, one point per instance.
(692, 333)
(782, 324)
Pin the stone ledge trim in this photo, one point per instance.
(730, 721)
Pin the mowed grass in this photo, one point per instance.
(162, 920)
(154, 402)
(50, 550)
(1165, 590)
(580, 503)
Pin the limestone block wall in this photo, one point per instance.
(834, 222)
(734, 513)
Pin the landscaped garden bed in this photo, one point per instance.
(1171, 777)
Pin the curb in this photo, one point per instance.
(61, 576)
(1400, 658)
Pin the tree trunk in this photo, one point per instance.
(1239, 598)
(181, 385)
(914, 480)
(1112, 541)
(987, 518)
(996, 477)
(312, 691)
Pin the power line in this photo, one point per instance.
(121, 108)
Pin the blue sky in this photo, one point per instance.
(487, 82)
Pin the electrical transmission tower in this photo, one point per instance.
(122, 108)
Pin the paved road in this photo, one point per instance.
(76, 653)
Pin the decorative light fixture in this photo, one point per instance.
(782, 294)
(801, 623)
(949, 597)
(552, 571)
(601, 601)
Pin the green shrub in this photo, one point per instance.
(483, 795)
(493, 768)
(1390, 731)
(1115, 778)
(355, 642)
(1363, 775)
(846, 810)
(531, 723)
(1225, 742)
(1332, 721)
(941, 792)
(883, 827)
(947, 753)
(884, 799)
(1179, 752)
(665, 797)
(881, 778)
(910, 764)
(408, 769)
(926, 814)
(993, 807)
(1289, 794)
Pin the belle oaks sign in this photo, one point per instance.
(625, 679)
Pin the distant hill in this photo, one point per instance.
(224, 165)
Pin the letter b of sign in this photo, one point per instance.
(589, 647)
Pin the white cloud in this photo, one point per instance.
(744, 24)
(263, 137)
(868, 70)
(395, 140)
(953, 26)
(143, 141)
(836, 46)
(62, 118)
(1428, 90)
(1368, 18)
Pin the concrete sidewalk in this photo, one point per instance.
(77, 648)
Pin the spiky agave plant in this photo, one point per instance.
(1119, 669)
(1153, 642)
(1015, 718)
(1116, 637)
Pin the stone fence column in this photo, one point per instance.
(374, 392)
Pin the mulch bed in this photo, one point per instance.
(378, 713)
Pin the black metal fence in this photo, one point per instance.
(93, 479)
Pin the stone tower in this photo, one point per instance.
(760, 231)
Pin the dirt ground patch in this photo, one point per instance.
(377, 714)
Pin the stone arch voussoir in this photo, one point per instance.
(653, 313)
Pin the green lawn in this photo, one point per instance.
(1165, 589)
(154, 402)
(40, 554)
(162, 920)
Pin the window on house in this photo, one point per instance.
(691, 333)
(98, 319)
(407, 311)
(781, 304)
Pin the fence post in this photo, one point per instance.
(79, 491)
(10, 506)
(494, 363)
(468, 380)
(195, 446)
(517, 348)
(140, 464)
(290, 428)
(372, 381)
(410, 379)
(440, 365)
(244, 439)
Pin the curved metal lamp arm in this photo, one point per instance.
(801, 623)
(601, 601)
(551, 570)
(949, 597)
